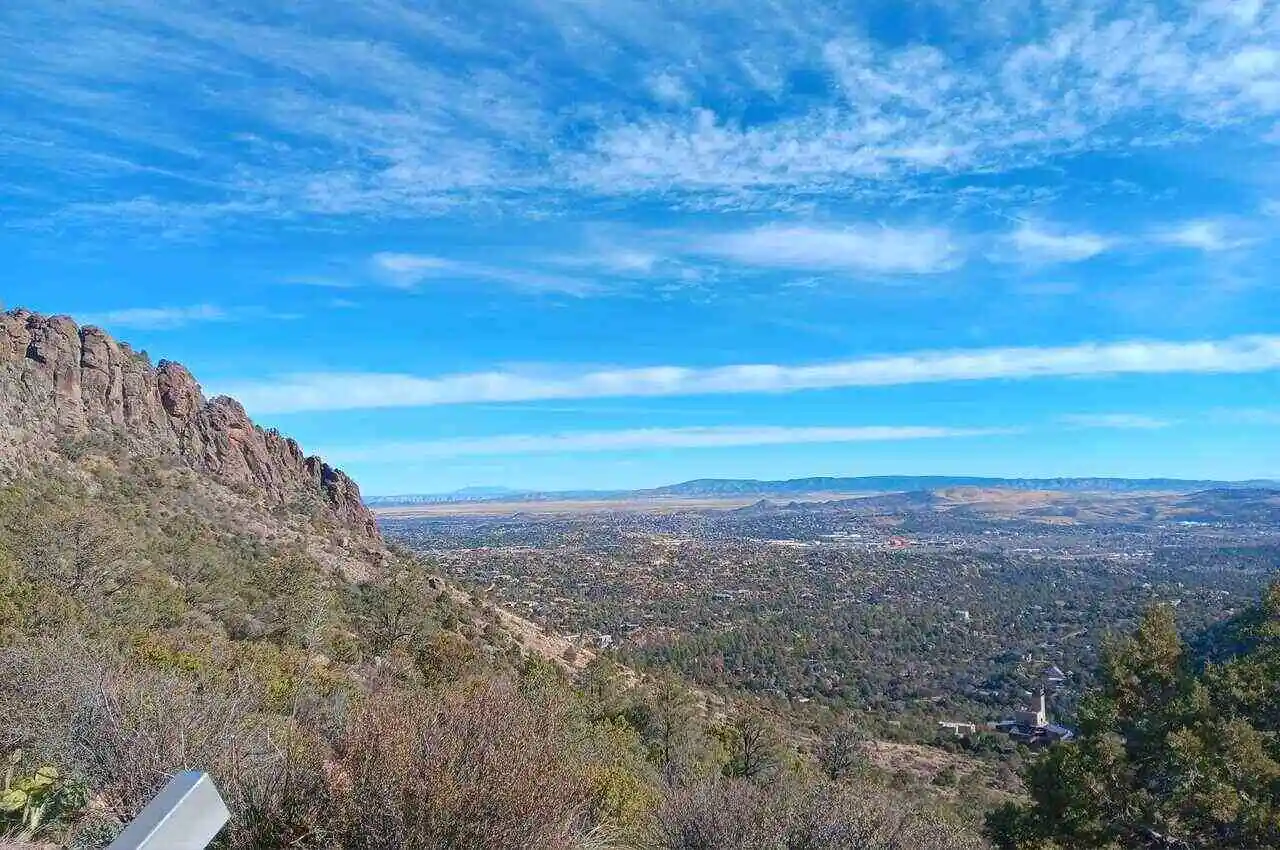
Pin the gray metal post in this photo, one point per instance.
(185, 815)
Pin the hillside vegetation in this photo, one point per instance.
(181, 589)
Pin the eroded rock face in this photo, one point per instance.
(102, 376)
(57, 379)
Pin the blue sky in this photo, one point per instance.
(615, 243)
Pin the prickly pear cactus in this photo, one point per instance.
(35, 804)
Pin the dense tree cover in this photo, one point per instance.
(960, 629)
(1173, 753)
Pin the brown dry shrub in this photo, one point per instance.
(126, 730)
(731, 814)
(483, 766)
(490, 764)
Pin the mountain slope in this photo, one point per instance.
(179, 477)
(66, 390)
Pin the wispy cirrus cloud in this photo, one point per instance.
(680, 258)
(877, 250)
(1208, 235)
(410, 271)
(325, 391)
(865, 248)
(320, 282)
(1059, 82)
(637, 256)
(209, 109)
(1126, 421)
(640, 439)
(156, 318)
(174, 318)
(1041, 243)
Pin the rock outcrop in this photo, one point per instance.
(58, 380)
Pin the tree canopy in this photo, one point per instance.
(1173, 752)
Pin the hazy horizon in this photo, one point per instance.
(502, 489)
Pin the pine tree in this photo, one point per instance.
(1169, 755)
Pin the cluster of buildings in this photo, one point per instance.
(1030, 726)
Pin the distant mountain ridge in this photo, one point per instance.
(711, 487)
(466, 494)
(894, 483)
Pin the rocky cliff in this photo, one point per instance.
(59, 381)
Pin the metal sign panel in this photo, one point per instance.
(185, 815)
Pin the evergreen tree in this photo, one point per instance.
(1169, 755)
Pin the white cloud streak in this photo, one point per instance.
(411, 271)
(1208, 235)
(642, 439)
(155, 318)
(1124, 421)
(320, 282)
(1041, 244)
(882, 249)
(612, 259)
(343, 391)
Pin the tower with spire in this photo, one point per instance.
(1031, 725)
(1036, 715)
